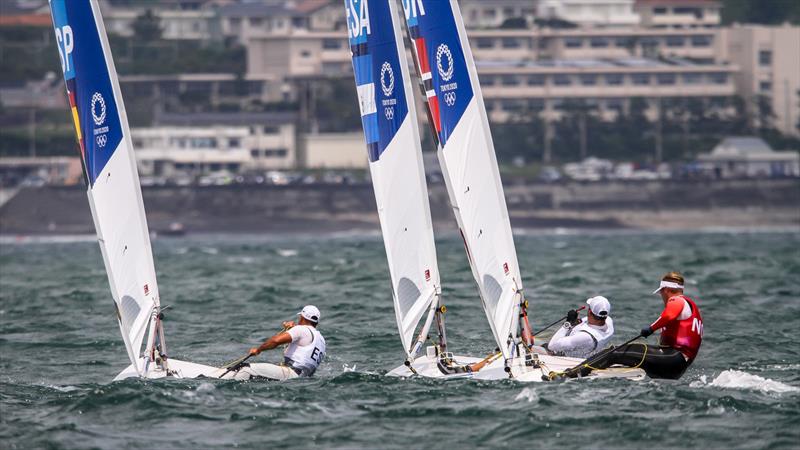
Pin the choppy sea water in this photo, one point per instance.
(60, 347)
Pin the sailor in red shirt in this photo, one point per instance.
(681, 335)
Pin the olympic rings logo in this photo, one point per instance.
(450, 98)
(101, 140)
(389, 113)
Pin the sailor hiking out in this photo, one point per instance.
(304, 353)
(582, 339)
(681, 328)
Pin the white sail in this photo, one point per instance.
(393, 145)
(114, 193)
(467, 157)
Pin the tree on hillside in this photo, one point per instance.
(768, 12)
(147, 27)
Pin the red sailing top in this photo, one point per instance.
(682, 326)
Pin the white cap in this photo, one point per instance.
(668, 284)
(310, 312)
(599, 306)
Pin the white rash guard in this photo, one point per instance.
(582, 340)
(306, 351)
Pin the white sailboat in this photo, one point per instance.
(392, 136)
(466, 153)
(115, 196)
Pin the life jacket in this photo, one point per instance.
(686, 332)
(601, 335)
(305, 359)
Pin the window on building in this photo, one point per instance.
(765, 58)
(615, 104)
(256, 22)
(718, 77)
(598, 42)
(640, 79)
(536, 80)
(511, 43)
(275, 153)
(234, 142)
(486, 80)
(255, 153)
(613, 79)
(765, 86)
(138, 143)
(701, 41)
(588, 79)
(665, 78)
(489, 13)
(513, 105)
(659, 10)
(697, 12)
(562, 80)
(622, 42)
(675, 41)
(572, 42)
(692, 78)
(271, 129)
(510, 80)
(331, 44)
(305, 53)
(535, 104)
(485, 43)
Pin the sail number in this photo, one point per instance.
(413, 8)
(358, 17)
(65, 45)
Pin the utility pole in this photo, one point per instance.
(32, 132)
(582, 131)
(659, 143)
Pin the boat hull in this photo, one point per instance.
(426, 366)
(178, 369)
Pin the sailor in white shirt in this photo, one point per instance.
(306, 348)
(582, 339)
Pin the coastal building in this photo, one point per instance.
(768, 58)
(679, 13)
(589, 13)
(200, 144)
(195, 20)
(334, 151)
(751, 157)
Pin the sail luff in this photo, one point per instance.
(395, 160)
(107, 155)
(466, 154)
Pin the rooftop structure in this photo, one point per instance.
(679, 13)
(590, 13)
(749, 156)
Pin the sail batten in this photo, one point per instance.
(104, 140)
(466, 155)
(393, 147)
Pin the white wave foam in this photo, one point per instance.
(346, 368)
(527, 394)
(735, 379)
(287, 252)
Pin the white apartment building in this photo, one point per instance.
(589, 13)
(679, 13)
(200, 144)
(493, 14)
(769, 62)
(192, 22)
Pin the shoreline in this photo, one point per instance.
(297, 210)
